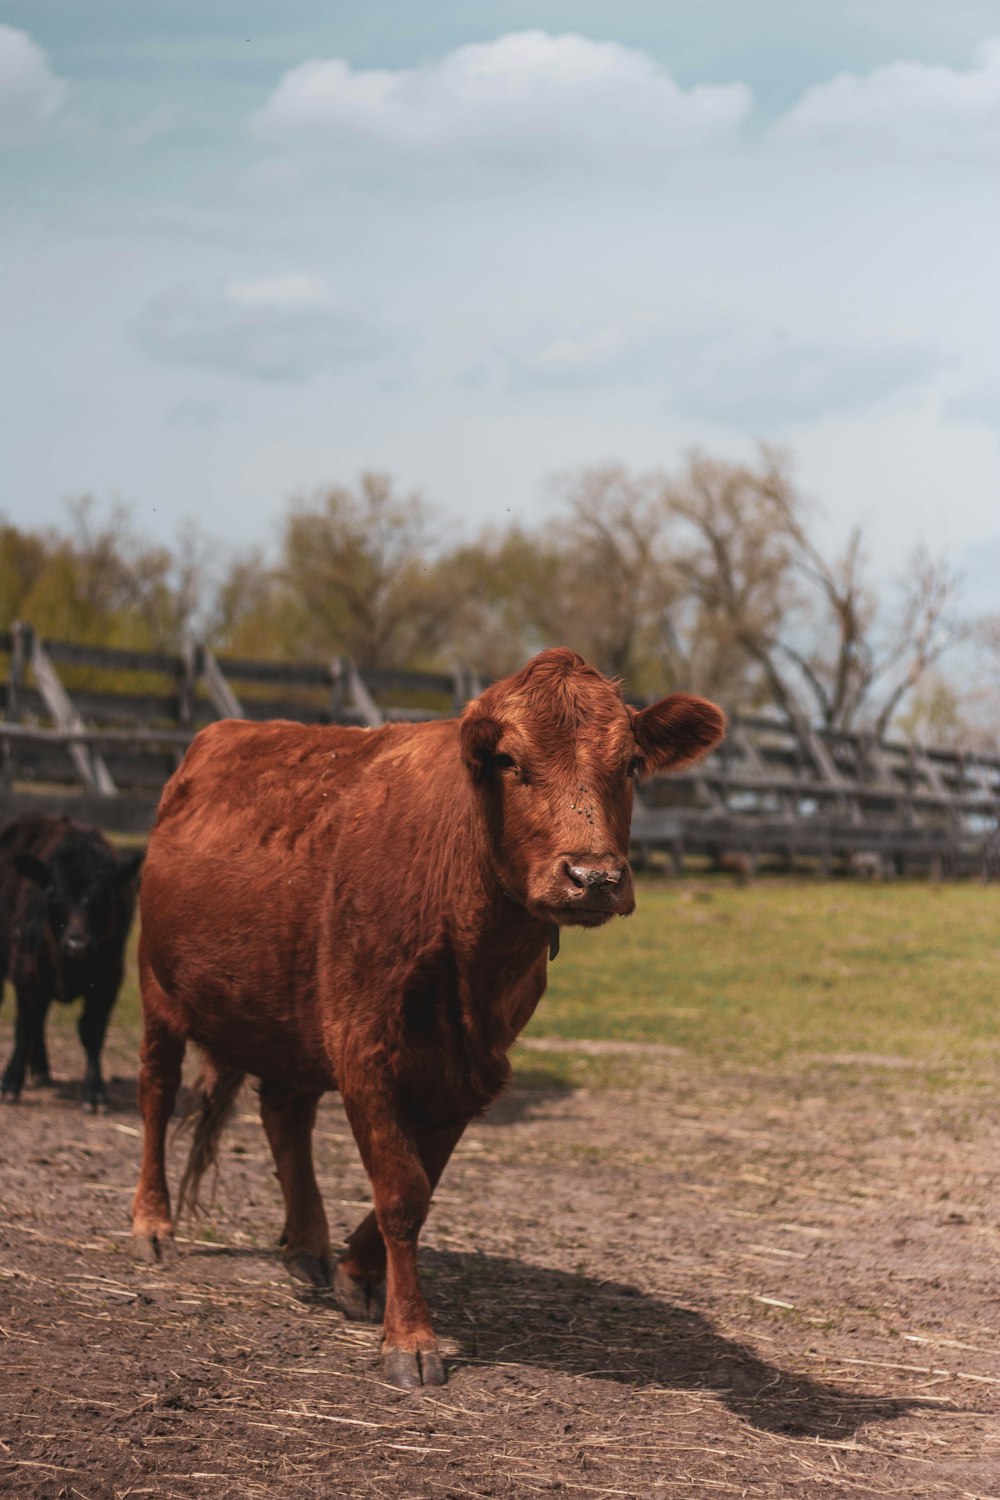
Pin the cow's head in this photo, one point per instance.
(554, 752)
(83, 882)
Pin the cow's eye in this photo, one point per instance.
(504, 762)
(634, 766)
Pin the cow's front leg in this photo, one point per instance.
(91, 1029)
(359, 1278)
(402, 1191)
(38, 1056)
(28, 1005)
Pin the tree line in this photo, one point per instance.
(710, 579)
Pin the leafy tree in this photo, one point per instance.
(358, 566)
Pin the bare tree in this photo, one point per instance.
(735, 556)
(593, 577)
(615, 582)
(824, 642)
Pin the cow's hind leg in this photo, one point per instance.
(288, 1119)
(159, 1080)
(359, 1276)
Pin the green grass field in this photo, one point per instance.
(765, 973)
(756, 974)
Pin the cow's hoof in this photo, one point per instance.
(96, 1106)
(154, 1249)
(362, 1300)
(313, 1270)
(410, 1370)
(42, 1081)
(10, 1096)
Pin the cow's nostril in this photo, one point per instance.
(593, 877)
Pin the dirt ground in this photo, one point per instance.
(676, 1280)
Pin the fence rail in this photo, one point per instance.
(96, 731)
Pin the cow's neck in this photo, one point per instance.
(486, 918)
(486, 948)
(552, 928)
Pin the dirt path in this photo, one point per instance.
(697, 1284)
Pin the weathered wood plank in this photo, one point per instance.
(125, 813)
(221, 695)
(113, 658)
(89, 763)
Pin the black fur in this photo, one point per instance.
(66, 903)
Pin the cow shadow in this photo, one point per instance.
(495, 1310)
(529, 1093)
(605, 1330)
(527, 1096)
(498, 1311)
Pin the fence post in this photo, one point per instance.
(20, 648)
(221, 695)
(336, 670)
(468, 685)
(90, 764)
(187, 684)
(349, 695)
(363, 703)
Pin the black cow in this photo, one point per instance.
(66, 903)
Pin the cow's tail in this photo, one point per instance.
(215, 1097)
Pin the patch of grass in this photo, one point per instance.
(754, 975)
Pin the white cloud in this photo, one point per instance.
(780, 379)
(280, 328)
(618, 351)
(280, 292)
(525, 90)
(30, 92)
(196, 414)
(978, 403)
(752, 378)
(916, 105)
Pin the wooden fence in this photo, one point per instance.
(97, 730)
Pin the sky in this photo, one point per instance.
(479, 245)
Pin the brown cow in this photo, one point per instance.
(372, 911)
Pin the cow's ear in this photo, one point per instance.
(479, 736)
(32, 869)
(129, 866)
(676, 731)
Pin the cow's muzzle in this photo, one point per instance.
(591, 889)
(597, 880)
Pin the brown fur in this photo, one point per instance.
(216, 1099)
(370, 910)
